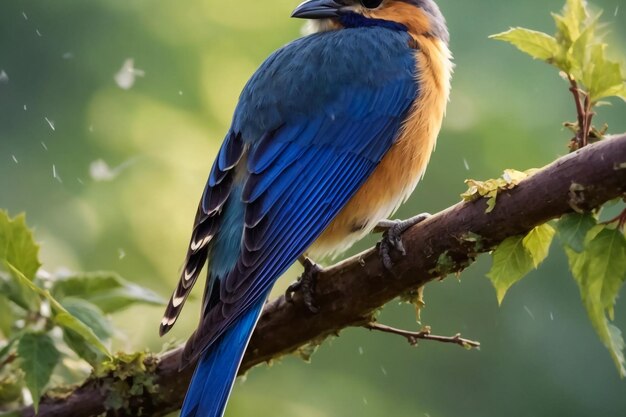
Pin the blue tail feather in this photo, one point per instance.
(216, 371)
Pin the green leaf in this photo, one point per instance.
(600, 271)
(511, 262)
(539, 45)
(6, 316)
(573, 229)
(90, 315)
(18, 247)
(38, 357)
(604, 78)
(573, 15)
(538, 242)
(17, 244)
(107, 290)
(60, 315)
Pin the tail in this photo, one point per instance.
(216, 371)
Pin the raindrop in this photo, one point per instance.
(25, 16)
(25, 107)
(55, 174)
(616, 10)
(67, 55)
(551, 316)
(180, 92)
(360, 350)
(80, 181)
(126, 76)
(121, 254)
(383, 370)
(4, 78)
(467, 167)
(90, 128)
(50, 123)
(38, 33)
(364, 400)
(43, 145)
(15, 159)
(530, 313)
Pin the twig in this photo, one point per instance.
(414, 337)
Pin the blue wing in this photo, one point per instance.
(311, 126)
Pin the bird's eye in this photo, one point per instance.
(371, 4)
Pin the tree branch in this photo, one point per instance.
(349, 292)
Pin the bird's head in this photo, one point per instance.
(418, 17)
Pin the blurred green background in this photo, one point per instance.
(110, 178)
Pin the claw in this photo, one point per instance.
(392, 237)
(306, 284)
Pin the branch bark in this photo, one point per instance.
(349, 292)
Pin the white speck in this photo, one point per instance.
(180, 92)
(121, 254)
(126, 76)
(67, 55)
(90, 128)
(25, 107)
(4, 77)
(99, 170)
(55, 174)
(50, 123)
(360, 350)
(530, 313)
(15, 159)
(551, 316)
(43, 145)
(38, 32)
(383, 370)
(467, 167)
(616, 10)
(25, 16)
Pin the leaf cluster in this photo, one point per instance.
(49, 322)
(597, 260)
(577, 49)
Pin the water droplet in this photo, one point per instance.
(180, 92)
(25, 107)
(15, 159)
(467, 167)
(4, 77)
(530, 313)
(38, 33)
(383, 370)
(360, 350)
(67, 55)
(55, 174)
(50, 123)
(43, 145)
(25, 16)
(121, 254)
(551, 316)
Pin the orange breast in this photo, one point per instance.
(403, 166)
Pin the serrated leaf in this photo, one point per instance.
(107, 290)
(38, 357)
(573, 229)
(511, 262)
(574, 14)
(537, 242)
(17, 244)
(600, 270)
(605, 78)
(18, 247)
(539, 45)
(60, 315)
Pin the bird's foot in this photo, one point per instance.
(392, 237)
(306, 284)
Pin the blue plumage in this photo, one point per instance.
(310, 127)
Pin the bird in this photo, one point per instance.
(330, 136)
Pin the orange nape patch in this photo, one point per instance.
(412, 17)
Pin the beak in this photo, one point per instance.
(317, 9)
